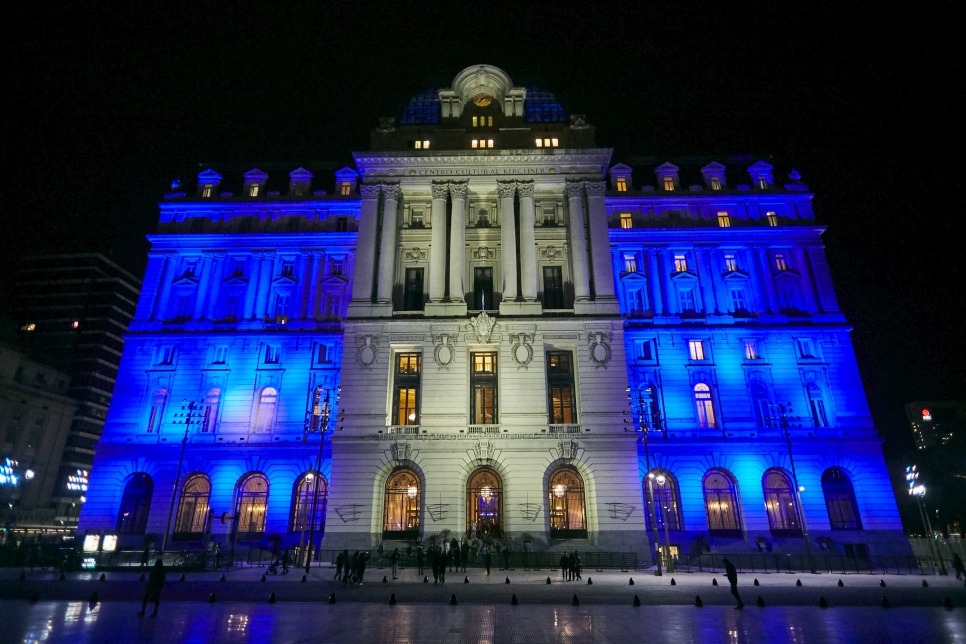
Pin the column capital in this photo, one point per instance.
(525, 189)
(370, 191)
(391, 191)
(574, 188)
(440, 190)
(506, 189)
(595, 188)
(458, 189)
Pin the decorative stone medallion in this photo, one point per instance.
(522, 341)
(599, 349)
(367, 351)
(483, 325)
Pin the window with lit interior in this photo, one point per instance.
(306, 501)
(401, 511)
(560, 388)
(483, 388)
(704, 403)
(568, 519)
(667, 509)
(251, 505)
(406, 389)
(721, 504)
(781, 504)
(192, 518)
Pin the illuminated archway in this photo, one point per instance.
(191, 521)
(135, 505)
(781, 504)
(402, 505)
(484, 503)
(568, 516)
(251, 505)
(721, 504)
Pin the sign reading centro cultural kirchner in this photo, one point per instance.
(488, 329)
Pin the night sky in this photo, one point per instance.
(105, 107)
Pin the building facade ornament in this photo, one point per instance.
(414, 254)
(483, 252)
(521, 339)
(391, 191)
(574, 189)
(400, 451)
(599, 348)
(458, 189)
(440, 189)
(366, 352)
(483, 326)
(506, 189)
(567, 449)
(525, 189)
(370, 191)
(483, 450)
(595, 188)
(551, 252)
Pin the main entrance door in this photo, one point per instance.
(484, 498)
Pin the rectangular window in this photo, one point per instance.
(489, 143)
(780, 264)
(416, 219)
(553, 296)
(273, 355)
(716, 183)
(333, 305)
(337, 267)
(483, 380)
(731, 264)
(425, 144)
(806, 348)
(646, 351)
(560, 388)
(182, 306)
(751, 350)
(406, 389)
(696, 349)
(489, 121)
(549, 216)
(413, 290)
(738, 302)
(539, 143)
(630, 262)
(475, 143)
(635, 302)
(763, 183)
(253, 190)
(680, 263)
(282, 302)
(686, 299)
(621, 184)
(321, 353)
(772, 218)
(341, 224)
(419, 145)
(207, 190)
(724, 220)
(165, 355)
(483, 287)
(219, 355)
(626, 220)
(669, 183)
(345, 188)
(475, 121)
(288, 268)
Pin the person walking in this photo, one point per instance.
(339, 564)
(958, 566)
(146, 554)
(285, 561)
(564, 563)
(419, 559)
(454, 555)
(577, 565)
(487, 558)
(465, 554)
(506, 557)
(732, 574)
(153, 590)
(571, 565)
(394, 561)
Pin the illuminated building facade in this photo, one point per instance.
(484, 286)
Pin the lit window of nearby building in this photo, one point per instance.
(696, 349)
(554, 142)
(539, 143)
(422, 145)
(75, 324)
(207, 190)
(560, 386)
(489, 143)
(165, 355)
(762, 182)
(158, 400)
(475, 119)
(806, 348)
(265, 411)
(630, 262)
(724, 220)
(704, 402)
(772, 218)
(483, 394)
(716, 183)
(780, 264)
(547, 143)
(272, 354)
(816, 403)
(680, 263)
(406, 389)
(626, 220)
(288, 268)
(669, 183)
(550, 216)
(253, 190)
(345, 188)
(621, 184)
(219, 355)
(30, 326)
(751, 350)
(475, 143)
(731, 263)
(553, 294)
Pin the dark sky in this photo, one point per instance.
(105, 106)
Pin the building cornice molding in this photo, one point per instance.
(222, 241)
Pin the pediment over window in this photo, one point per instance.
(735, 276)
(186, 280)
(787, 274)
(208, 176)
(684, 276)
(633, 278)
(282, 280)
(335, 281)
(239, 280)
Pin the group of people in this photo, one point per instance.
(351, 570)
(570, 566)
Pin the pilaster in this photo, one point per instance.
(387, 247)
(437, 248)
(457, 242)
(600, 245)
(578, 244)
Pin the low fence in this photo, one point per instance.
(799, 563)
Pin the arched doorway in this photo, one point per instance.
(401, 513)
(250, 507)
(484, 503)
(568, 517)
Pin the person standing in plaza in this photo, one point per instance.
(958, 566)
(153, 590)
(571, 565)
(577, 565)
(487, 558)
(732, 574)
(465, 554)
(394, 561)
(419, 558)
(564, 565)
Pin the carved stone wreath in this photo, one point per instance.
(599, 349)
(552, 252)
(484, 326)
(366, 354)
(443, 354)
(415, 254)
(522, 342)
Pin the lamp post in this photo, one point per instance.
(320, 410)
(642, 428)
(783, 422)
(919, 492)
(189, 410)
(668, 559)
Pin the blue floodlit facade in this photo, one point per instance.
(731, 332)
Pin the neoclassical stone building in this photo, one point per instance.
(489, 318)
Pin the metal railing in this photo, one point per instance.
(483, 429)
(799, 563)
(402, 429)
(564, 429)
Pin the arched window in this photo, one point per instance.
(316, 410)
(212, 401)
(761, 404)
(135, 505)
(158, 400)
(191, 522)
(265, 413)
(484, 499)
(568, 518)
(306, 500)
(705, 406)
(721, 504)
(843, 511)
(401, 513)
(781, 504)
(816, 405)
(251, 505)
(668, 508)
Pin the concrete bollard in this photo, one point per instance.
(885, 602)
(631, 583)
(548, 581)
(452, 600)
(882, 583)
(507, 580)
(756, 582)
(392, 599)
(514, 602)
(271, 598)
(760, 602)
(575, 602)
(822, 603)
(841, 585)
(798, 582)
(222, 577)
(211, 598)
(332, 598)
(637, 600)
(103, 577)
(590, 581)
(673, 583)
(697, 601)
(92, 602)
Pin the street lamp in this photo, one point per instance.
(919, 491)
(783, 422)
(320, 412)
(189, 411)
(642, 427)
(660, 479)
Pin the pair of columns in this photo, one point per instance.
(457, 190)
(528, 243)
(365, 270)
(596, 225)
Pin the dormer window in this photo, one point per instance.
(780, 264)
(630, 262)
(207, 190)
(716, 183)
(762, 182)
(482, 121)
(422, 145)
(731, 264)
(772, 218)
(482, 143)
(288, 268)
(253, 190)
(680, 263)
(626, 220)
(621, 184)
(345, 188)
(724, 220)
(548, 143)
(668, 183)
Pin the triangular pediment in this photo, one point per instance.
(235, 280)
(255, 176)
(667, 168)
(633, 277)
(734, 276)
(621, 170)
(787, 274)
(346, 174)
(713, 167)
(760, 166)
(335, 280)
(285, 279)
(186, 280)
(209, 176)
(684, 276)
(300, 175)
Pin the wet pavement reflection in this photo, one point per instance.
(428, 624)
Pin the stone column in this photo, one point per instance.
(366, 245)
(654, 281)
(750, 260)
(217, 277)
(768, 278)
(268, 271)
(437, 248)
(508, 239)
(254, 277)
(528, 242)
(457, 242)
(204, 278)
(159, 265)
(704, 281)
(578, 244)
(670, 294)
(715, 267)
(808, 286)
(600, 241)
(318, 266)
(299, 292)
(387, 247)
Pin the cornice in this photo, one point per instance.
(249, 240)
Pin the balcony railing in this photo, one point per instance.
(402, 429)
(564, 429)
(483, 429)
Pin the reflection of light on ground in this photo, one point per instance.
(237, 623)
